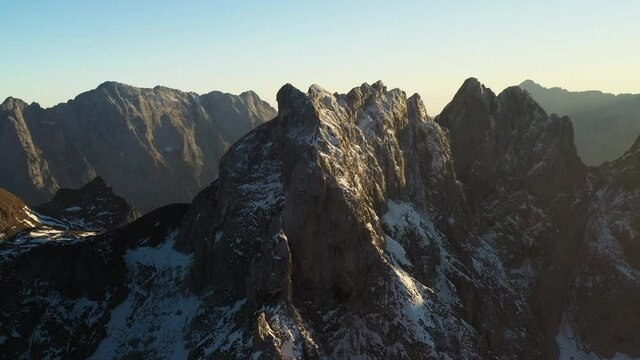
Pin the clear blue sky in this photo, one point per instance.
(53, 50)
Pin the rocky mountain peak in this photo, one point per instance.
(12, 103)
(417, 109)
(606, 125)
(251, 97)
(290, 98)
(527, 84)
(379, 85)
(316, 182)
(508, 136)
(92, 207)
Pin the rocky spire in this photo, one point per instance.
(508, 137)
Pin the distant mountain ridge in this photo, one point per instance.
(153, 145)
(605, 124)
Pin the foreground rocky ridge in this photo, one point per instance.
(357, 226)
(154, 146)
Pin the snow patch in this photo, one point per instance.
(156, 316)
(397, 253)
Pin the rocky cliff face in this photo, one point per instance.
(605, 282)
(356, 226)
(154, 146)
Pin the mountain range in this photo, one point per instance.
(154, 146)
(606, 125)
(348, 226)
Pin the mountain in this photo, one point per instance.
(356, 226)
(93, 207)
(605, 124)
(154, 146)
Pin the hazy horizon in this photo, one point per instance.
(54, 51)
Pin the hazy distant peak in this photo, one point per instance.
(171, 140)
(249, 94)
(417, 108)
(473, 90)
(605, 124)
(315, 88)
(379, 85)
(529, 83)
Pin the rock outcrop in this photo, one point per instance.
(154, 146)
(356, 226)
(93, 207)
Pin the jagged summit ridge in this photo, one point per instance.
(316, 181)
(350, 194)
(508, 134)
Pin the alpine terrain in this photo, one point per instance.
(350, 226)
(154, 146)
